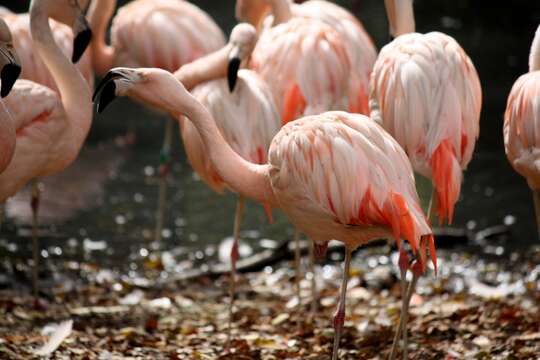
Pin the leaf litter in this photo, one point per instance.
(472, 310)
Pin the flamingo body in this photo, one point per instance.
(305, 63)
(522, 128)
(33, 67)
(341, 176)
(162, 33)
(359, 46)
(44, 137)
(425, 91)
(247, 119)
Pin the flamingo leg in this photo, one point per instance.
(536, 198)
(297, 260)
(234, 258)
(34, 204)
(2, 214)
(339, 317)
(314, 294)
(403, 267)
(164, 170)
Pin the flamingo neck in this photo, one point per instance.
(282, 11)
(534, 58)
(247, 179)
(99, 16)
(401, 16)
(73, 89)
(210, 67)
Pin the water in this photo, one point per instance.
(117, 202)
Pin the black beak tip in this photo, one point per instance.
(10, 73)
(80, 43)
(232, 73)
(106, 96)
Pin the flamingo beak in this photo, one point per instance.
(232, 72)
(10, 72)
(106, 90)
(82, 38)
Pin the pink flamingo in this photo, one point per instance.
(335, 175)
(521, 124)
(426, 93)
(33, 67)
(247, 117)
(153, 33)
(308, 55)
(10, 70)
(51, 131)
(360, 48)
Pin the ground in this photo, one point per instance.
(116, 316)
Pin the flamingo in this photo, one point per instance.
(335, 175)
(153, 33)
(33, 67)
(307, 66)
(426, 93)
(247, 117)
(10, 70)
(51, 125)
(360, 48)
(521, 124)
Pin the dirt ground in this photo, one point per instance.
(117, 317)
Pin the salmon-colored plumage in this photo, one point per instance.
(152, 33)
(522, 121)
(51, 123)
(341, 176)
(305, 63)
(32, 65)
(359, 46)
(425, 91)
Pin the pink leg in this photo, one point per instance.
(34, 204)
(403, 267)
(339, 317)
(164, 170)
(234, 259)
(314, 292)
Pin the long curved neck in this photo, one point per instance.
(401, 16)
(74, 91)
(534, 58)
(282, 11)
(99, 16)
(245, 178)
(210, 67)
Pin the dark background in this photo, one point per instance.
(496, 35)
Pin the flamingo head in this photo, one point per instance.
(242, 42)
(154, 87)
(10, 65)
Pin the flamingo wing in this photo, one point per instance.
(344, 168)
(360, 48)
(522, 128)
(163, 33)
(425, 91)
(305, 63)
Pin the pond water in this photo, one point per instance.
(103, 208)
